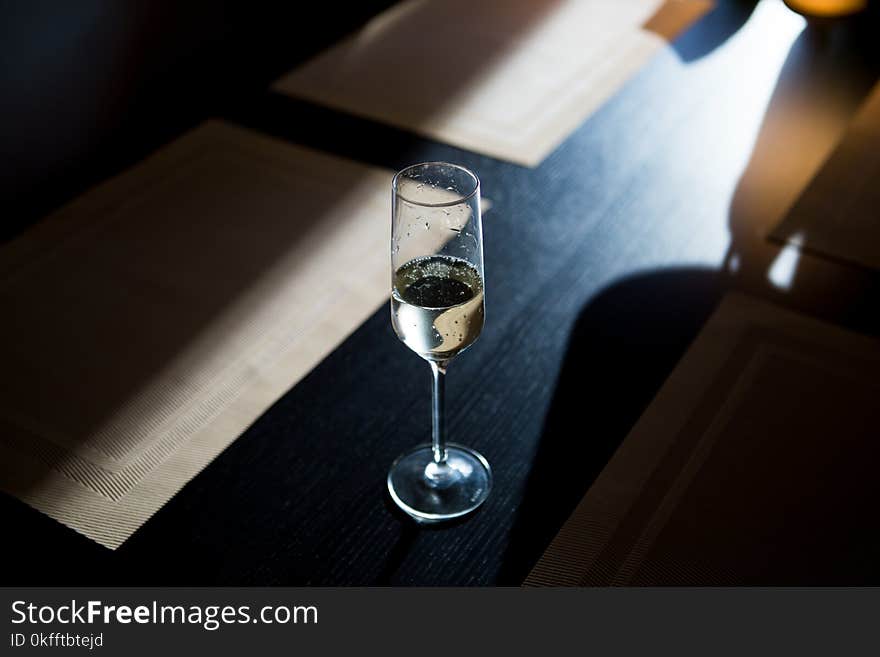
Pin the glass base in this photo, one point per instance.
(432, 493)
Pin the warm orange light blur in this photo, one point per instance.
(827, 7)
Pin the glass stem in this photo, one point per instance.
(438, 473)
(438, 412)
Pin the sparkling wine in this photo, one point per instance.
(437, 305)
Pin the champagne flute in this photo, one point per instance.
(437, 310)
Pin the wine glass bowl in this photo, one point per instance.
(438, 311)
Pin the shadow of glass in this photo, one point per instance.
(628, 338)
(622, 346)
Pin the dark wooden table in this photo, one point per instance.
(602, 265)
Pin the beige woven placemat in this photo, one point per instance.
(508, 78)
(754, 464)
(152, 320)
(838, 214)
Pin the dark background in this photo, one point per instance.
(92, 86)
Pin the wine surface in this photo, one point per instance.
(437, 305)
